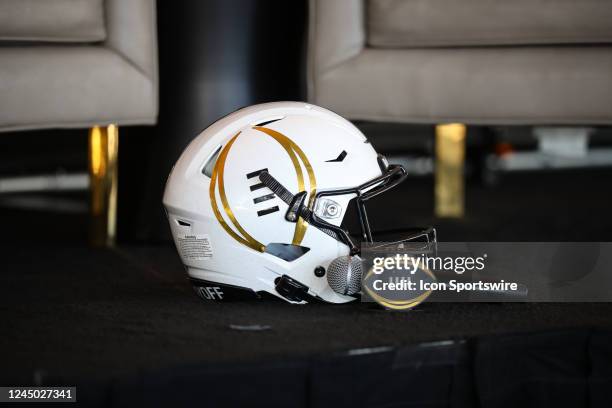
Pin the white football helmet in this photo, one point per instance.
(256, 201)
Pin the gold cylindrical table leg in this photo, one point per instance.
(449, 181)
(103, 152)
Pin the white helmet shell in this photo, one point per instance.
(229, 226)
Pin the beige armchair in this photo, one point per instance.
(466, 62)
(80, 64)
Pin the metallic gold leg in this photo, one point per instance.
(450, 157)
(103, 150)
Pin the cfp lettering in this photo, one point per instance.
(211, 292)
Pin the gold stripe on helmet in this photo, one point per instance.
(299, 232)
(217, 174)
(292, 148)
(217, 179)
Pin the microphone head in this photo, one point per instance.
(344, 275)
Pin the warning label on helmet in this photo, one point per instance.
(194, 247)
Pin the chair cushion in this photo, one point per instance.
(554, 85)
(52, 20)
(419, 23)
(68, 86)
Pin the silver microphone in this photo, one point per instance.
(344, 275)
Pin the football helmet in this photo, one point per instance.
(257, 200)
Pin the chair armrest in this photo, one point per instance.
(132, 33)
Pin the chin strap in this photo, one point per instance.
(276, 187)
(296, 203)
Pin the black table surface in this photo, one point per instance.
(75, 311)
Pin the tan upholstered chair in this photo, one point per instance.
(85, 63)
(468, 62)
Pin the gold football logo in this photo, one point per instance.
(298, 158)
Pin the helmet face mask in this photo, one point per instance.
(257, 200)
(391, 176)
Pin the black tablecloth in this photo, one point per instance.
(119, 321)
